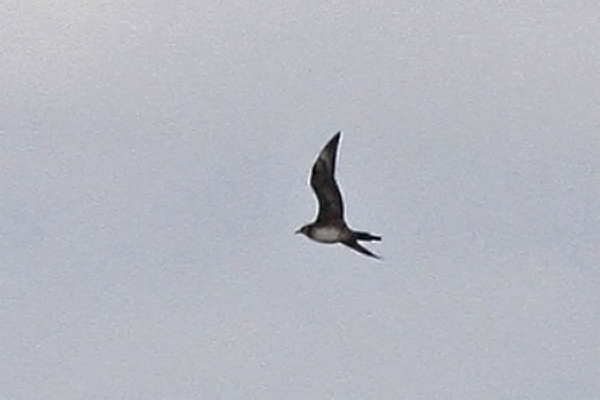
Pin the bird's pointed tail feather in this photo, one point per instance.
(366, 236)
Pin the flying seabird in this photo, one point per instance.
(330, 227)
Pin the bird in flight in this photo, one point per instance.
(330, 227)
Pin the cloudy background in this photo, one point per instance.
(154, 164)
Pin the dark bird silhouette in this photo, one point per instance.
(330, 227)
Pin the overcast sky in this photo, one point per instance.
(154, 166)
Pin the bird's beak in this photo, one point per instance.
(298, 231)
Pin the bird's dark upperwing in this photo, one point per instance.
(322, 181)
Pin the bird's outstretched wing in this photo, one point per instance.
(353, 244)
(322, 180)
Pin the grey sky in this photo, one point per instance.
(155, 158)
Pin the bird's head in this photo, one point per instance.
(303, 230)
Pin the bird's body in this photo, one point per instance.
(327, 234)
(329, 226)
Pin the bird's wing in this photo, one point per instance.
(322, 180)
(353, 244)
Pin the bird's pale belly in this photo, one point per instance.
(326, 235)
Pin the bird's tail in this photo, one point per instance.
(366, 236)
